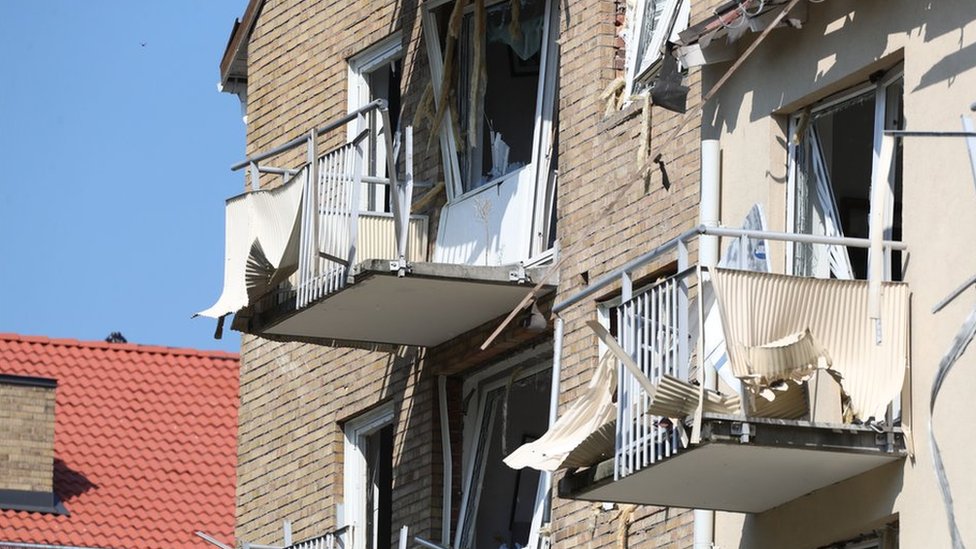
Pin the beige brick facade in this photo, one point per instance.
(26, 435)
(295, 397)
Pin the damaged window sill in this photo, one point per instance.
(630, 110)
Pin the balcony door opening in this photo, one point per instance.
(376, 74)
(834, 157)
(500, 505)
(494, 79)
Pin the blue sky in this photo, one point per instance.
(115, 149)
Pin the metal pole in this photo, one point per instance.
(376, 104)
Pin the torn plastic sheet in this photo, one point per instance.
(591, 410)
(761, 308)
(261, 246)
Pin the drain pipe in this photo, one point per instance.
(708, 254)
(447, 458)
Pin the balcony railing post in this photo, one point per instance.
(255, 176)
(407, 194)
(683, 354)
(357, 182)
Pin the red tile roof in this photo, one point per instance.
(145, 443)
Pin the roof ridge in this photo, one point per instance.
(134, 347)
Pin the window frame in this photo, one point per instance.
(545, 101)
(639, 70)
(359, 67)
(479, 387)
(355, 467)
(878, 88)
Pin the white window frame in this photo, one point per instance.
(674, 18)
(478, 387)
(545, 100)
(879, 89)
(354, 478)
(375, 57)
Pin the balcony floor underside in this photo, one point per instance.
(430, 305)
(781, 462)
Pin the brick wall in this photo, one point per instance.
(610, 211)
(295, 397)
(26, 435)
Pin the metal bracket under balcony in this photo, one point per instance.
(744, 466)
(432, 304)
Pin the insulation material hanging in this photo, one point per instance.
(479, 76)
(261, 246)
(593, 409)
(447, 80)
(760, 309)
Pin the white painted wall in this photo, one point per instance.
(841, 44)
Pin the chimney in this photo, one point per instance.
(27, 444)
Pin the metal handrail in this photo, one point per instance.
(704, 230)
(377, 104)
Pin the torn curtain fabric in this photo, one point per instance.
(760, 310)
(261, 247)
(593, 409)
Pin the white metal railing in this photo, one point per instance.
(328, 244)
(653, 328)
(329, 220)
(650, 329)
(332, 540)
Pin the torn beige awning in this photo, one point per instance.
(593, 409)
(776, 322)
(261, 247)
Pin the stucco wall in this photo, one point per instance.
(841, 44)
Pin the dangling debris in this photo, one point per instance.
(479, 76)
(644, 146)
(515, 27)
(423, 112)
(613, 95)
(668, 92)
(453, 30)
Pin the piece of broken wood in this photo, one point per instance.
(529, 298)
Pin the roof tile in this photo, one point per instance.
(145, 443)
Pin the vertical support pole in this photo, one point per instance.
(710, 199)
(447, 456)
(626, 288)
(881, 189)
(255, 176)
(407, 191)
(357, 183)
(403, 537)
(395, 191)
(683, 335)
(286, 527)
(313, 184)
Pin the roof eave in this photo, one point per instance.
(233, 63)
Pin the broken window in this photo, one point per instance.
(494, 86)
(368, 479)
(500, 504)
(494, 78)
(653, 24)
(835, 148)
(375, 74)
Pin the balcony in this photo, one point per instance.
(306, 260)
(742, 390)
